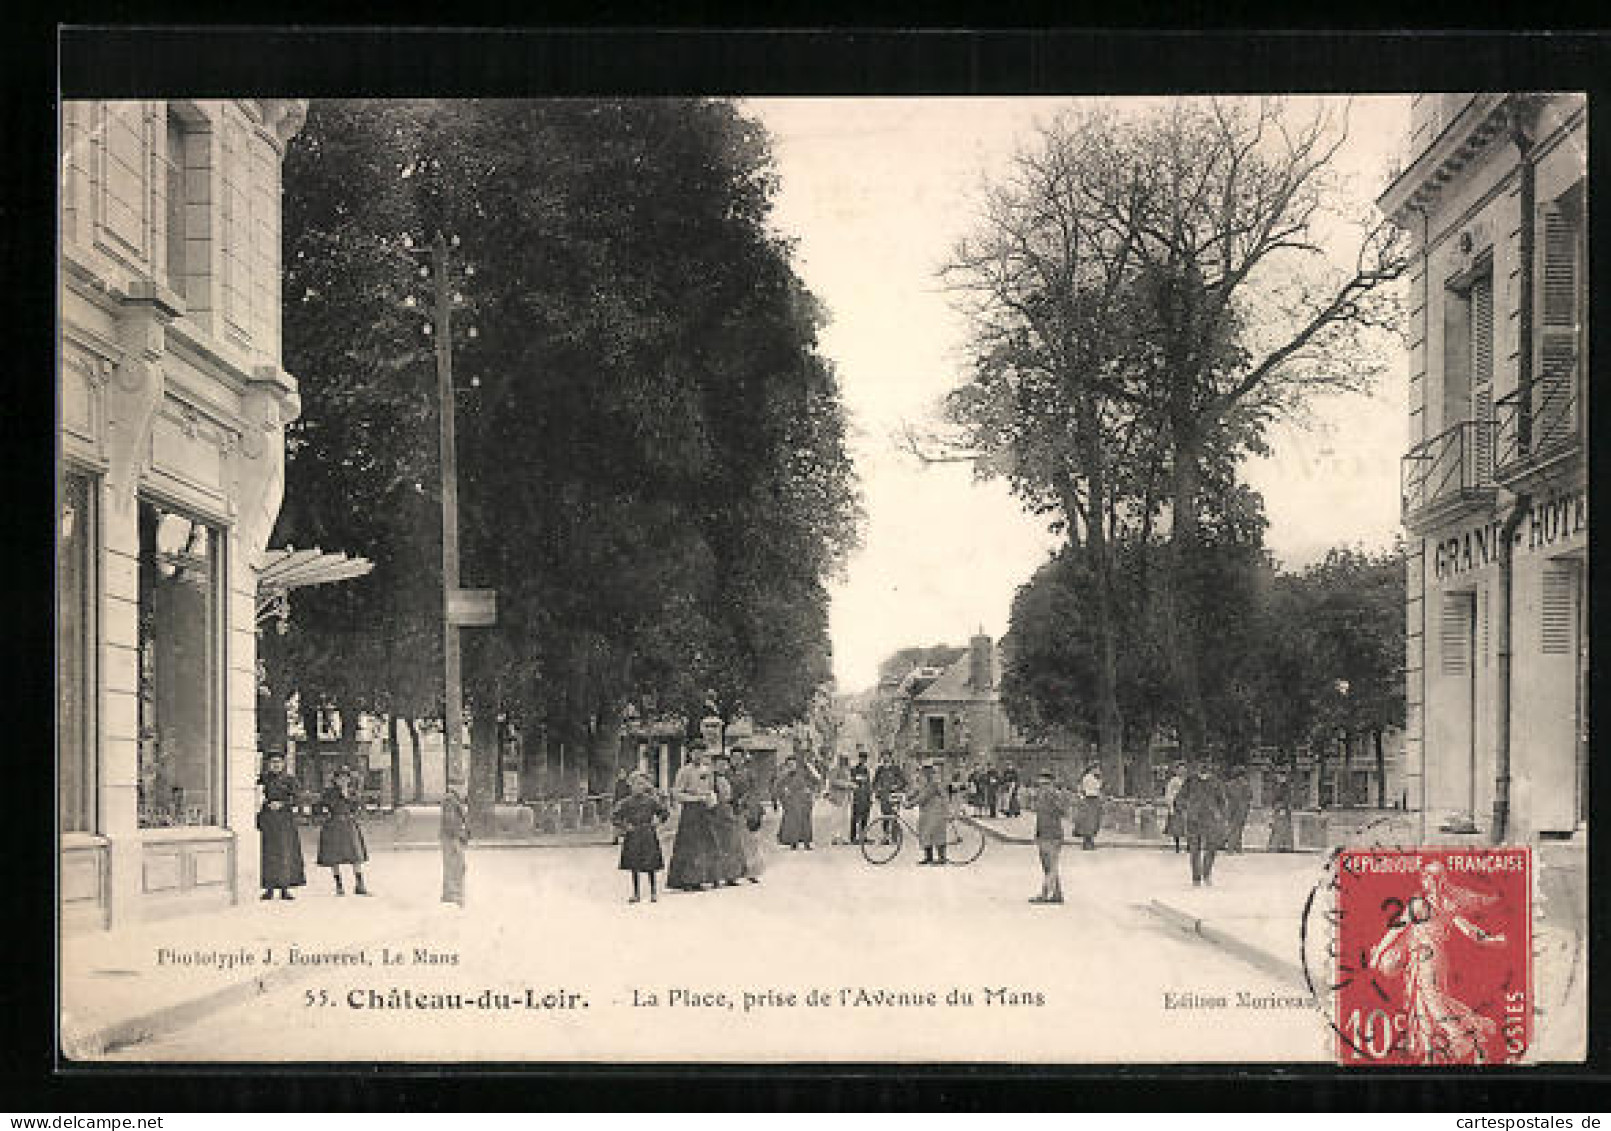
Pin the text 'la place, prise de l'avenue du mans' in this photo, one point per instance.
(844, 997)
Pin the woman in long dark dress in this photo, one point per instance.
(750, 811)
(636, 815)
(724, 823)
(693, 850)
(280, 865)
(341, 841)
(797, 788)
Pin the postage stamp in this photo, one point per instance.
(1432, 950)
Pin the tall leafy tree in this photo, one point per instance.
(652, 464)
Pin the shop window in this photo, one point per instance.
(75, 751)
(180, 765)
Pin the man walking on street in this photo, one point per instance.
(1202, 805)
(1051, 806)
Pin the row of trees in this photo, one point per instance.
(653, 473)
(1147, 293)
(1309, 659)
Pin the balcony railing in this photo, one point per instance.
(1453, 467)
(1552, 427)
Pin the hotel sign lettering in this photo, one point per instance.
(1558, 519)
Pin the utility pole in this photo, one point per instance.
(453, 694)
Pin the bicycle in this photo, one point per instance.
(885, 834)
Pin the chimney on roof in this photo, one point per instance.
(979, 666)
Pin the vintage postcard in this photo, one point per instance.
(1076, 580)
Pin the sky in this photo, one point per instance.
(876, 192)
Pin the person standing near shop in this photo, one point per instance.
(341, 840)
(280, 863)
(1051, 806)
(932, 812)
(1202, 804)
(1238, 800)
(861, 797)
(1088, 813)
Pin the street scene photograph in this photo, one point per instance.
(1013, 580)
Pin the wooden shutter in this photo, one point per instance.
(1559, 610)
(1481, 303)
(1554, 389)
(1454, 639)
(1483, 621)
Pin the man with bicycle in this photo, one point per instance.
(888, 781)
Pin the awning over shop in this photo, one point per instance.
(289, 568)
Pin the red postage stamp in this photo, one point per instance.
(1434, 956)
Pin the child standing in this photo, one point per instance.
(636, 815)
(341, 841)
(1051, 806)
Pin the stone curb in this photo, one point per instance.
(477, 845)
(1257, 956)
(1154, 845)
(96, 1043)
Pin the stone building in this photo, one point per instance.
(1494, 481)
(172, 405)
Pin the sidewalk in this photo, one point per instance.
(150, 978)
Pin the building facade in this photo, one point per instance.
(172, 405)
(1494, 481)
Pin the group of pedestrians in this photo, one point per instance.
(717, 843)
(341, 839)
(1209, 813)
(990, 792)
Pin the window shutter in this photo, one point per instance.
(1554, 391)
(1481, 300)
(1559, 608)
(1455, 638)
(1483, 622)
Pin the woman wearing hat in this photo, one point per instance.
(724, 823)
(341, 841)
(1088, 815)
(797, 788)
(280, 866)
(693, 850)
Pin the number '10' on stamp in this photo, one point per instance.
(1434, 956)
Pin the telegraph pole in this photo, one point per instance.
(453, 693)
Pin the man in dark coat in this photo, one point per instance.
(861, 797)
(992, 788)
(1202, 806)
(1238, 799)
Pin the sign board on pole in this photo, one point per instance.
(472, 608)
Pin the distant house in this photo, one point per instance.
(954, 713)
